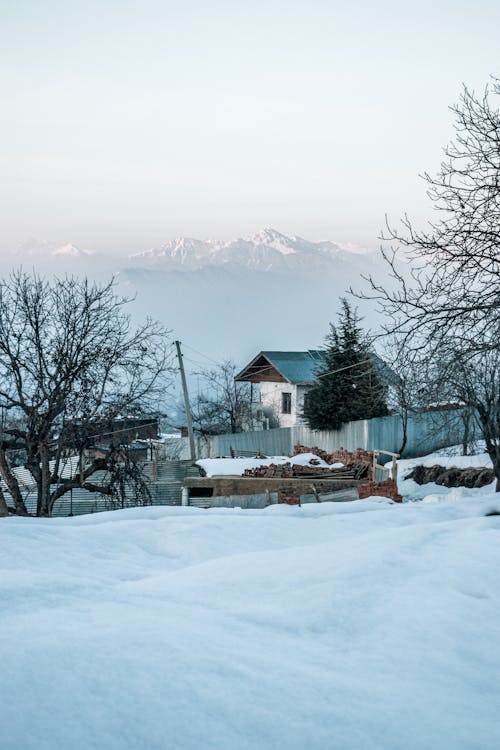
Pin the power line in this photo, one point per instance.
(271, 366)
(193, 361)
(321, 375)
(124, 429)
(341, 369)
(203, 355)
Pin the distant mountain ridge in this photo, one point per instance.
(226, 298)
(267, 250)
(41, 249)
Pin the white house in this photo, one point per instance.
(283, 379)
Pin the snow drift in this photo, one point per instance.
(355, 625)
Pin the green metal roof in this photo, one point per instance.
(296, 367)
(301, 367)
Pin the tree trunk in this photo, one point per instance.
(44, 487)
(466, 433)
(4, 510)
(489, 430)
(12, 483)
(495, 460)
(404, 425)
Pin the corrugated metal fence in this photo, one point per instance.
(426, 432)
(166, 478)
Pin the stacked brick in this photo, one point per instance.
(357, 456)
(289, 499)
(387, 488)
(273, 471)
(360, 457)
(316, 451)
(296, 471)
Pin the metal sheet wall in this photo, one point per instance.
(426, 432)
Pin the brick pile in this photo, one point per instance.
(289, 499)
(273, 471)
(387, 488)
(359, 457)
(316, 451)
(342, 456)
(297, 471)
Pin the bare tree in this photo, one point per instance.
(447, 312)
(455, 278)
(474, 380)
(69, 357)
(404, 391)
(224, 405)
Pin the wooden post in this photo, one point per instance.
(395, 469)
(189, 417)
(315, 493)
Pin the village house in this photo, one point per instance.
(279, 383)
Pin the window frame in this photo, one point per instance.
(286, 402)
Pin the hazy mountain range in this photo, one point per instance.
(229, 299)
(268, 250)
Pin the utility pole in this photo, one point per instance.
(189, 417)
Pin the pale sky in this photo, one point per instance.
(124, 124)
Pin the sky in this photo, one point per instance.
(125, 124)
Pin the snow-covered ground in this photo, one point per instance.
(364, 625)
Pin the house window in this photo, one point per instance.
(286, 403)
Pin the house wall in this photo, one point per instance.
(271, 399)
(301, 392)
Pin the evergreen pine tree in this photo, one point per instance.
(348, 384)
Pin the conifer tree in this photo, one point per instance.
(348, 384)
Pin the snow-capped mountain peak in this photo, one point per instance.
(70, 250)
(271, 238)
(34, 248)
(268, 249)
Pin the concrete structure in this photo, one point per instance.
(258, 492)
(427, 432)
